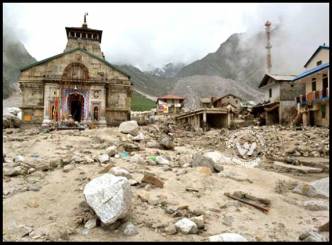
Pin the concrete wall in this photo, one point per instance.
(275, 92)
(322, 55)
(290, 90)
(287, 111)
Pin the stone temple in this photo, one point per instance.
(78, 84)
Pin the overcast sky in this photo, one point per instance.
(151, 35)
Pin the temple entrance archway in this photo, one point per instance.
(76, 106)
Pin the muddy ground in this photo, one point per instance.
(47, 203)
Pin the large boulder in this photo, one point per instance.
(186, 226)
(166, 142)
(318, 188)
(227, 237)
(129, 127)
(213, 160)
(10, 121)
(109, 196)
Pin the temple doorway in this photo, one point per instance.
(76, 106)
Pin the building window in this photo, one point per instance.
(313, 84)
(319, 62)
(323, 110)
(270, 92)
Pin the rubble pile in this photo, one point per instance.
(159, 182)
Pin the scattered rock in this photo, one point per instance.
(162, 160)
(325, 227)
(19, 159)
(68, 168)
(129, 127)
(213, 160)
(103, 158)
(166, 142)
(91, 223)
(227, 237)
(150, 179)
(129, 229)
(137, 159)
(316, 205)
(139, 137)
(117, 171)
(199, 221)
(170, 229)
(186, 226)
(312, 236)
(109, 196)
(153, 144)
(111, 151)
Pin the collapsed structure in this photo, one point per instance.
(78, 84)
(279, 93)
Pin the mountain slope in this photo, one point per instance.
(15, 56)
(148, 83)
(237, 59)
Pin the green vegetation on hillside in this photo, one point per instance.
(141, 103)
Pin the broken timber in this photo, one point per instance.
(251, 201)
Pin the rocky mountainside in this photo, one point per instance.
(238, 58)
(15, 56)
(148, 83)
(169, 70)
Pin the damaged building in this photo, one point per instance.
(170, 104)
(279, 105)
(313, 105)
(78, 85)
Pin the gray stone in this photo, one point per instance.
(227, 237)
(186, 226)
(129, 127)
(91, 223)
(322, 186)
(9, 171)
(213, 160)
(162, 160)
(109, 196)
(137, 159)
(199, 221)
(170, 229)
(139, 137)
(117, 171)
(166, 142)
(67, 168)
(19, 159)
(111, 151)
(153, 144)
(103, 158)
(129, 229)
(316, 205)
(312, 236)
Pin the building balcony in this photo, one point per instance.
(313, 97)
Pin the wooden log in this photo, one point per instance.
(251, 203)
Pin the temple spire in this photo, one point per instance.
(85, 25)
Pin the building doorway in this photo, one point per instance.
(76, 106)
(311, 118)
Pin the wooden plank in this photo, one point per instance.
(247, 201)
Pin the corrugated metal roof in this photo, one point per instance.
(282, 77)
(276, 77)
(205, 100)
(171, 97)
(311, 71)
